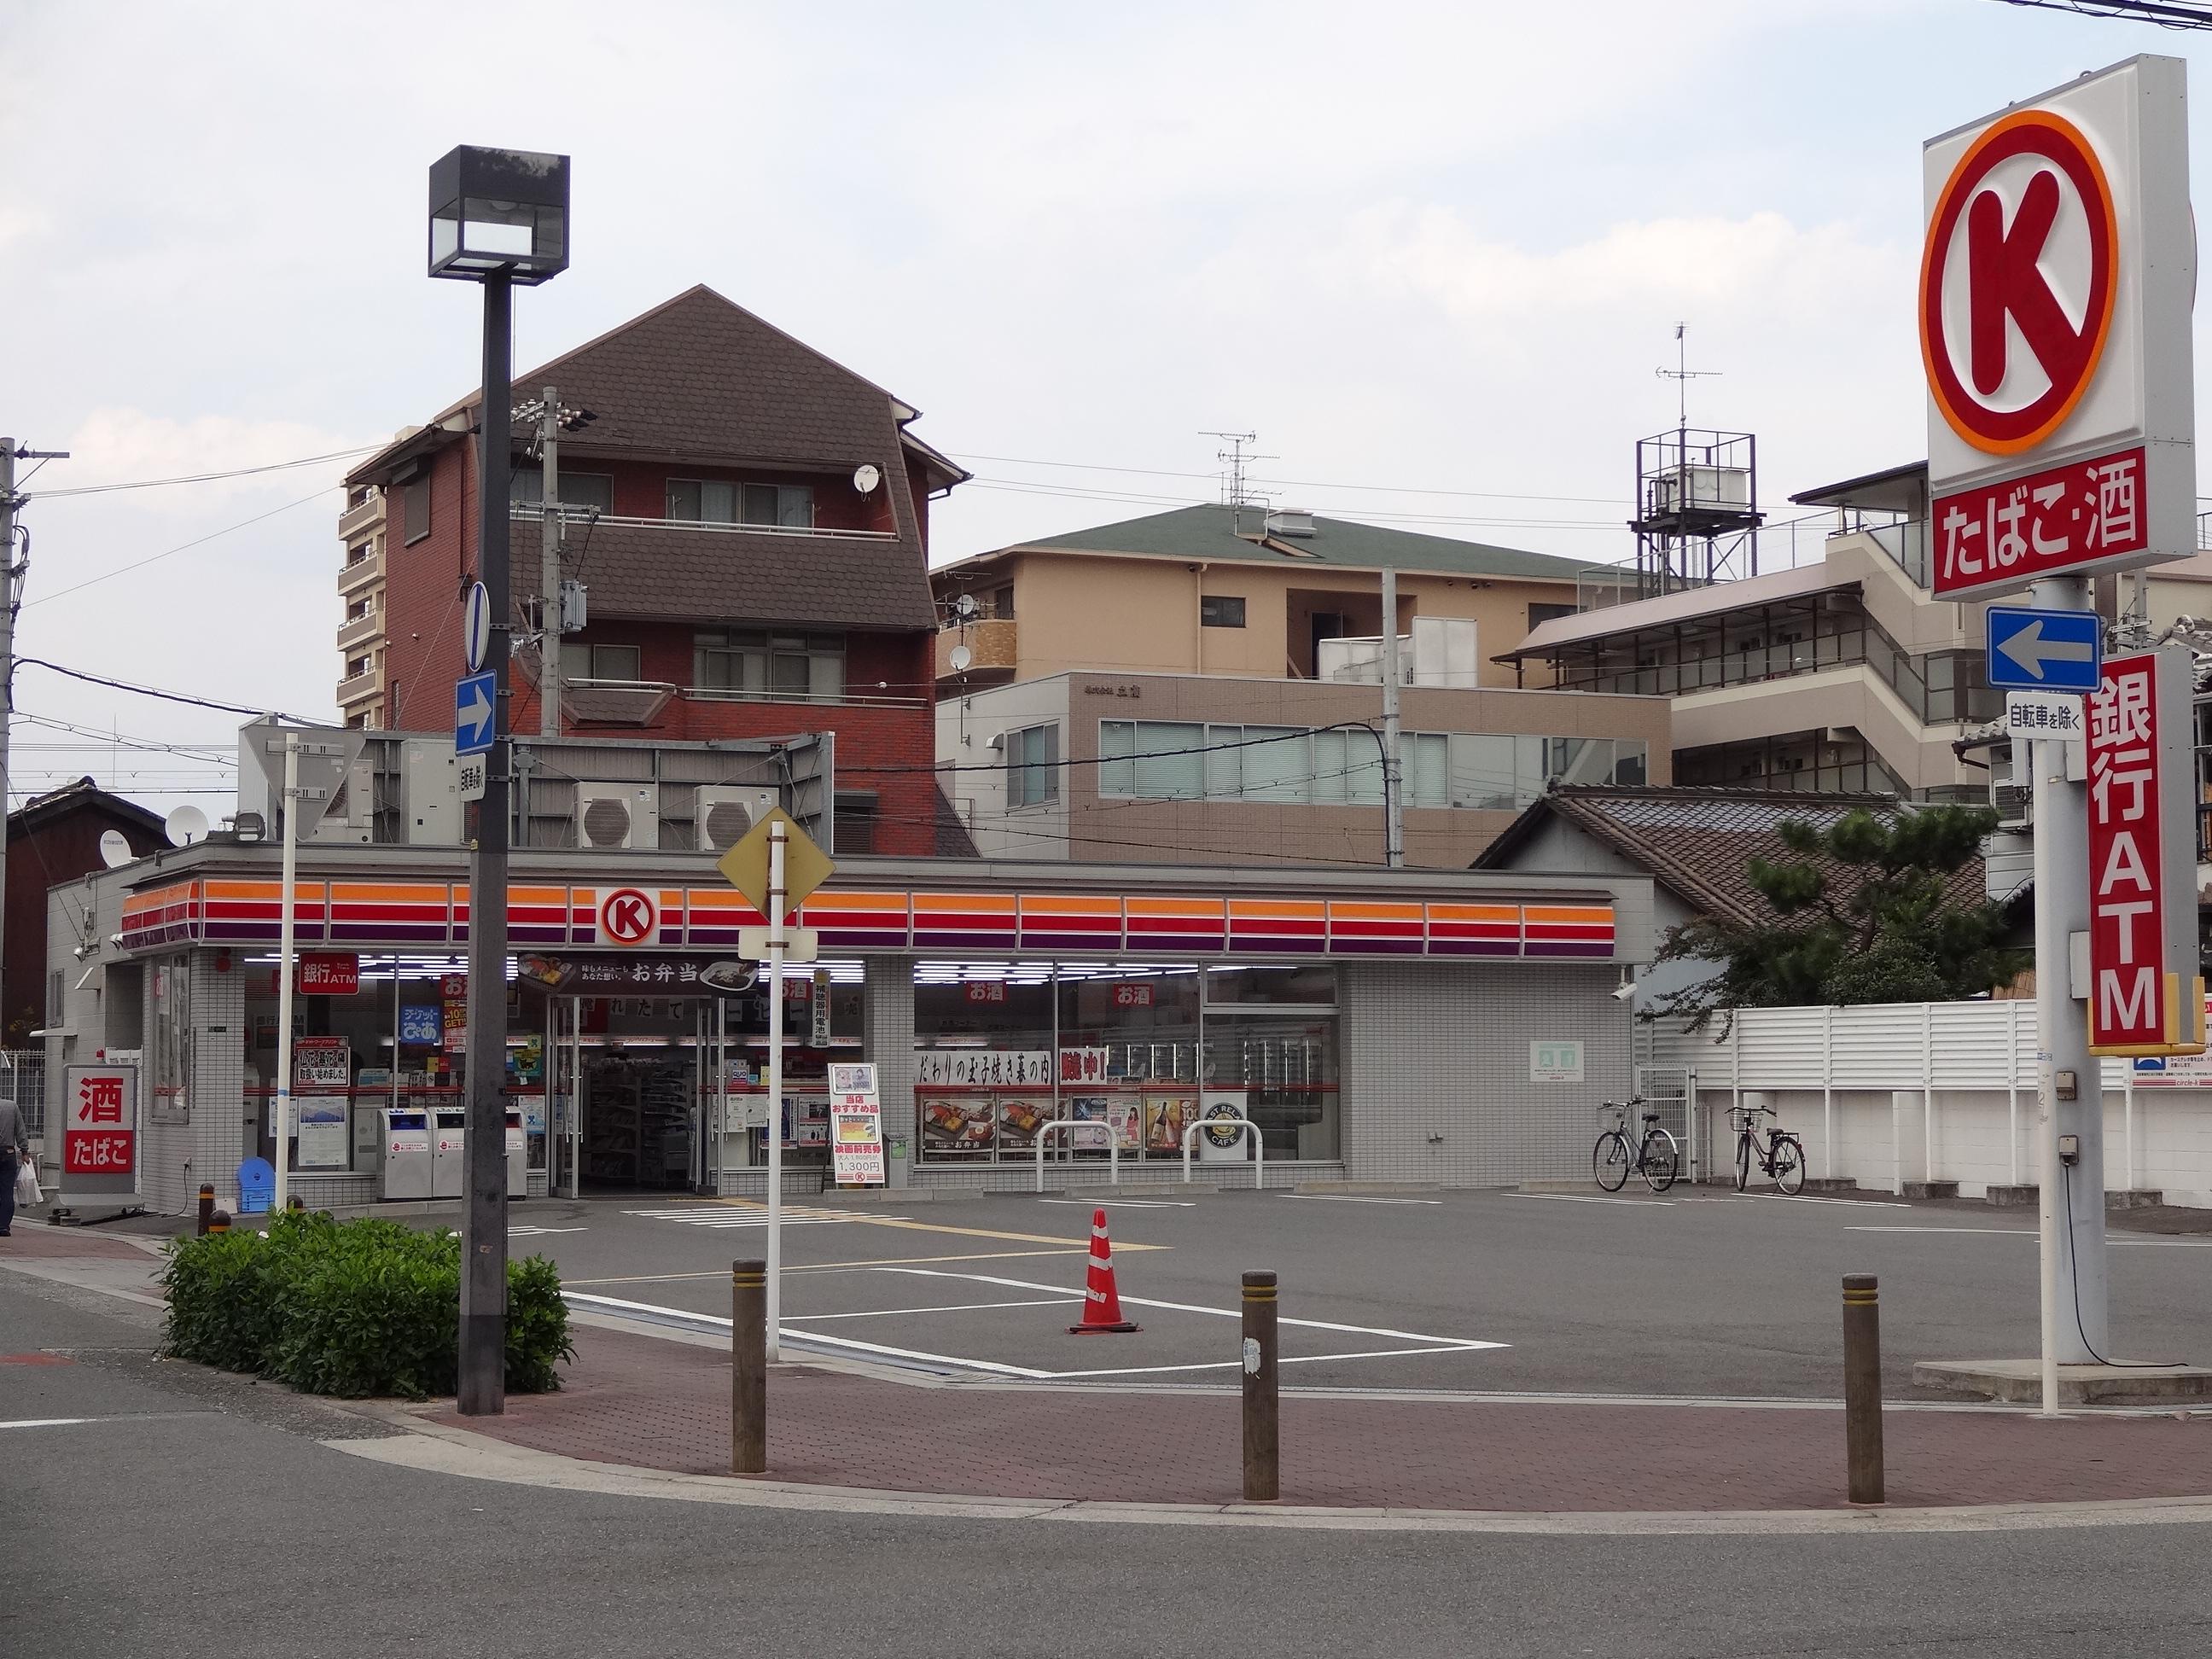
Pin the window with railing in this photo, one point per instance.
(1185, 760)
(709, 500)
(594, 490)
(766, 663)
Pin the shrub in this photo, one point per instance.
(351, 1309)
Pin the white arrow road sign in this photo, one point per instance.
(2032, 652)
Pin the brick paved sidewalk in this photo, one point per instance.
(663, 1405)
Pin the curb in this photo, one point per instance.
(436, 1448)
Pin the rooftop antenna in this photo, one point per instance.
(1235, 495)
(1682, 375)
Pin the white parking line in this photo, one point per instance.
(1814, 1198)
(1588, 1198)
(684, 1318)
(540, 1232)
(749, 1215)
(1126, 1203)
(1349, 1197)
(1069, 1301)
(2030, 1232)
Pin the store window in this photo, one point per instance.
(1144, 1050)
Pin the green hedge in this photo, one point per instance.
(352, 1309)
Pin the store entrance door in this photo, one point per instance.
(637, 1121)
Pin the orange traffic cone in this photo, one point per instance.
(1102, 1303)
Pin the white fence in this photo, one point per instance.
(1895, 1092)
(23, 1080)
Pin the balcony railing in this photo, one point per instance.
(361, 514)
(535, 513)
(711, 693)
(359, 630)
(355, 572)
(360, 686)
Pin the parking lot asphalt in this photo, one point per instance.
(1701, 1294)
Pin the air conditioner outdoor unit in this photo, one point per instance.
(724, 813)
(617, 815)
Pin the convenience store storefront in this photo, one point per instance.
(1375, 1025)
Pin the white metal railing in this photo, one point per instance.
(1252, 1133)
(715, 694)
(1113, 1147)
(534, 512)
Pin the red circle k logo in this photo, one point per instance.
(2017, 282)
(628, 916)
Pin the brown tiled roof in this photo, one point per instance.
(1697, 843)
(675, 573)
(953, 840)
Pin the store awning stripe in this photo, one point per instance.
(374, 913)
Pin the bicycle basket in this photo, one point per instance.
(1612, 1116)
(1741, 1118)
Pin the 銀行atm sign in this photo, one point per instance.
(2056, 285)
(2146, 996)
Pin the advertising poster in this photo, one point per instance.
(984, 1068)
(954, 1123)
(322, 1062)
(856, 1125)
(1020, 1117)
(1227, 1145)
(1116, 1117)
(1081, 1065)
(420, 1025)
(1166, 1116)
(100, 1129)
(325, 1141)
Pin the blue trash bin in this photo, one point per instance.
(257, 1183)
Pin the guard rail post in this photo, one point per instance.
(1862, 1388)
(1262, 1404)
(748, 1367)
(207, 1210)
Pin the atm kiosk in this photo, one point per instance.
(407, 1156)
(449, 1164)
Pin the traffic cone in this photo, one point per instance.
(1102, 1303)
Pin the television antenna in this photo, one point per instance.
(1682, 375)
(1236, 494)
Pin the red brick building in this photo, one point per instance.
(52, 839)
(750, 523)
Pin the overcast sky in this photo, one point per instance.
(1430, 255)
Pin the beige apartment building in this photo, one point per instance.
(361, 590)
(1202, 686)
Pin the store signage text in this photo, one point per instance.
(99, 1134)
(628, 915)
(328, 974)
(984, 1068)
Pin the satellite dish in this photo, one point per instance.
(965, 604)
(186, 825)
(961, 656)
(866, 478)
(114, 850)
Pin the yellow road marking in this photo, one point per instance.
(1082, 1242)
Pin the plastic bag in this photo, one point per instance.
(26, 1186)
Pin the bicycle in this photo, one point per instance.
(1658, 1157)
(1781, 1155)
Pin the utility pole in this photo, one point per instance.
(549, 568)
(1394, 776)
(12, 572)
(483, 1236)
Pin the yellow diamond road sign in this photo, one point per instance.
(805, 867)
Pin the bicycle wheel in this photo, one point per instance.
(1742, 1161)
(1609, 1160)
(1788, 1165)
(1662, 1161)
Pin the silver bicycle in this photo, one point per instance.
(1657, 1157)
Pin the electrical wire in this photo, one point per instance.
(156, 692)
(1301, 483)
(182, 547)
(1287, 735)
(200, 477)
(2066, 1185)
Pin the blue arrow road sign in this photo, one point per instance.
(475, 699)
(2045, 650)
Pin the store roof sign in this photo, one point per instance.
(2057, 278)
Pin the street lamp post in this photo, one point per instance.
(499, 217)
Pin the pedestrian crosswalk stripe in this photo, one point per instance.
(712, 1215)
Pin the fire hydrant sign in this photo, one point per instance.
(2145, 994)
(2056, 285)
(856, 1125)
(100, 1129)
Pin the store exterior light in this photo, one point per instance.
(498, 211)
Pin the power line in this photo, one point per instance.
(182, 547)
(2167, 14)
(202, 478)
(1301, 483)
(1287, 735)
(156, 692)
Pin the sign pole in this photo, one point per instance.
(288, 959)
(2069, 1095)
(777, 944)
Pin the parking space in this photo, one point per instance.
(1698, 1293)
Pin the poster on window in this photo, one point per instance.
(1020, 1117)
(322, 1062)
(1081, 1065)
(856, 1125)
(983, 1068)
(954, 1124)
(325, 1141)
(1166, 1116)
(1117, 1115)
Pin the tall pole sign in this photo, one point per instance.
(2057, 280)
(2056, 285)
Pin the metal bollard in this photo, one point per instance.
(219, 1221)
(1262, 1407)
(207, 1210)
(1862, 1388)
(748, 1367)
